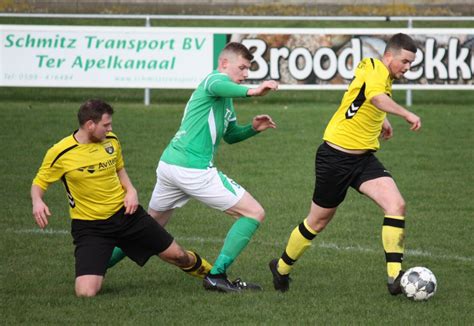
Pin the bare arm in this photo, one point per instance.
(386, 104)
(40, 209)
(131, 197)
(387, 130)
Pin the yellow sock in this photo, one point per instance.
(300, 240)
(393, 239)
(199, 268)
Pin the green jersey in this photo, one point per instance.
(208, 117)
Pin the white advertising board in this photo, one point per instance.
(159, 57)
(118, 57)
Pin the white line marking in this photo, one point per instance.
(39, 231)
(316, 244)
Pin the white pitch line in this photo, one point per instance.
(317, 244)
(39, 231)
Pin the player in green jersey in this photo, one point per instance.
(186, 168)
(103, 203)
(346, 159)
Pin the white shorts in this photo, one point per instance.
(175, 185)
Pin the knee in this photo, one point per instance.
(319, 217)
(254, 211)
(397, 207)
(88, 285)
(86, 291)
(259, 214)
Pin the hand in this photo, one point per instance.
(131, 201)
(387, 130)
(41, 213)
(262, 122)
(414, 120)
(263, 88)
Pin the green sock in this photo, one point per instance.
(237, 239)
(117, 255)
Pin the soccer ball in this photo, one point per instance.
(418, 283)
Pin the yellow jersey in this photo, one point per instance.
(89, 174)
(357, 123)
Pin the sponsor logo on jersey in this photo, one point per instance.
(107, 164)
(109, 148)
(72, 203)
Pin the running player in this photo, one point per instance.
(186, 168)
(346, 159)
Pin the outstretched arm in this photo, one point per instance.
(230, 89)
(263, 88)
(131, 197)
(40, 209)
(386, 104)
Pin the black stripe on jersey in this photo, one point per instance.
(287, 259)
(113, 137)
(72, 203)
(356, 104)
(373, 63)
(394, 222)
(393, 257)
(62, 153)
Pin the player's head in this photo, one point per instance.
(234, 60)
(399, 54)
(95, 117)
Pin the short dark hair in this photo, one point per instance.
(400, 41)
(93, 110)
(239, 49)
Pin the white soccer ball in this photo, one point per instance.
(418, 283)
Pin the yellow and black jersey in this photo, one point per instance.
(89, 174)
(357, 123)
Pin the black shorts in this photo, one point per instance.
(138, 235)
(336, 171)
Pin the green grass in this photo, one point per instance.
(340, 280)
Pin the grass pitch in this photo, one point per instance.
(340, 280)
